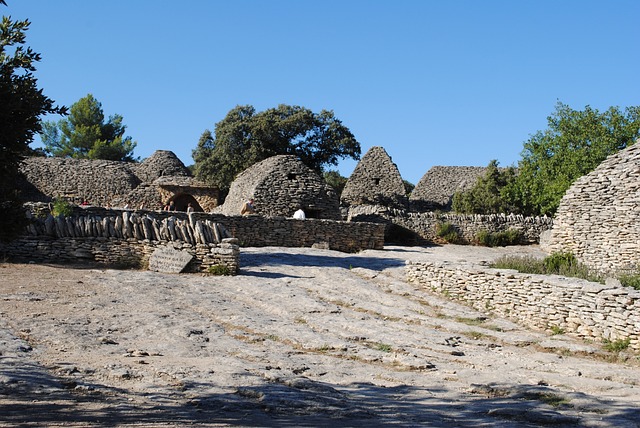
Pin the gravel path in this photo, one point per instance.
(302, 337)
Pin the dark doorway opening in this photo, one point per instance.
(183, 200)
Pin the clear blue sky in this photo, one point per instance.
(433, 82)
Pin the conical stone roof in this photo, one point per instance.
(375, 181)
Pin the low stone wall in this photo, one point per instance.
(119, 253)
(258, 231)
(127, 238)
(424, 225)
(585, 309)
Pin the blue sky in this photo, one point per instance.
(433, 82)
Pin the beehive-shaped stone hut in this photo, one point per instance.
(436, 188)
(151, 184)
(279, 185)
(375, 181)
(598, 219)
(162, 163)
(98, 182)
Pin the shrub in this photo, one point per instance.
(61, 208)
(630, 280)
(498, 239)
(617, 345)
(555, 264)
(219, 270)
(448, 232)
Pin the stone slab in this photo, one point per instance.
(169, 260)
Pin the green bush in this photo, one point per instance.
(448, 232)
(560, 262)
(498, 239)
(564, 264)
(630, 280)
(219, 270)
(61, 208)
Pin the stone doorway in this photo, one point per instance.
(182, 200)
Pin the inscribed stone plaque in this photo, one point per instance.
(169, 260)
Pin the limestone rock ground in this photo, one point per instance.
(302, 337)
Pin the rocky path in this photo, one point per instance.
(302, 337)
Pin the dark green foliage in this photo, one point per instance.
(499, 239)
(61, 208)
(486, 196)
(21, 105)
(85, 134)
(618, 345)
(219, 270)
(575, 143)
(245, 137)
(630, 280)
(558, 262)
(408, 187)
(448, 232)
(335, 180)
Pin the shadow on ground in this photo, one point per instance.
(38, 398)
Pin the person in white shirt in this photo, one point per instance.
(299, 214)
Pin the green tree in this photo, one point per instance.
(21, 106)
(487, 194)
(335, 180)
(245, 137)
(85, 134)
(575, 143)
(408, 187)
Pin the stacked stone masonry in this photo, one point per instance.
(127, 238)
(436, 188)
(279, 185)
(425, 225)
(375, 180)
(598, 219)
(580, 308)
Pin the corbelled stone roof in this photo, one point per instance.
(375, 181)
(598, 219)
(161, 163)
(278, 186)
(436, 188)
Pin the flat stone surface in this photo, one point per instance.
(169, 260)
(301, 337)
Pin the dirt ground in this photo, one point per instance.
(301, 337)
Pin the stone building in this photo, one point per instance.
(375, 181)
(151, 184)
(279, 185)
(598, 219)
(436, 188)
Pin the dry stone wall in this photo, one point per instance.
(121, 238)
(127, 238)
(585, 309)
(425, 225)
(598, 219)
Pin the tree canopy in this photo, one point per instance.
(574, 144)
(86, 135)
(20, 110)
(245, 137)
(486, 195)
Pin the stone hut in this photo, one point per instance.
(279, 185)
(436, 188)
(151, 184)
(375, 181)
(598, 219)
